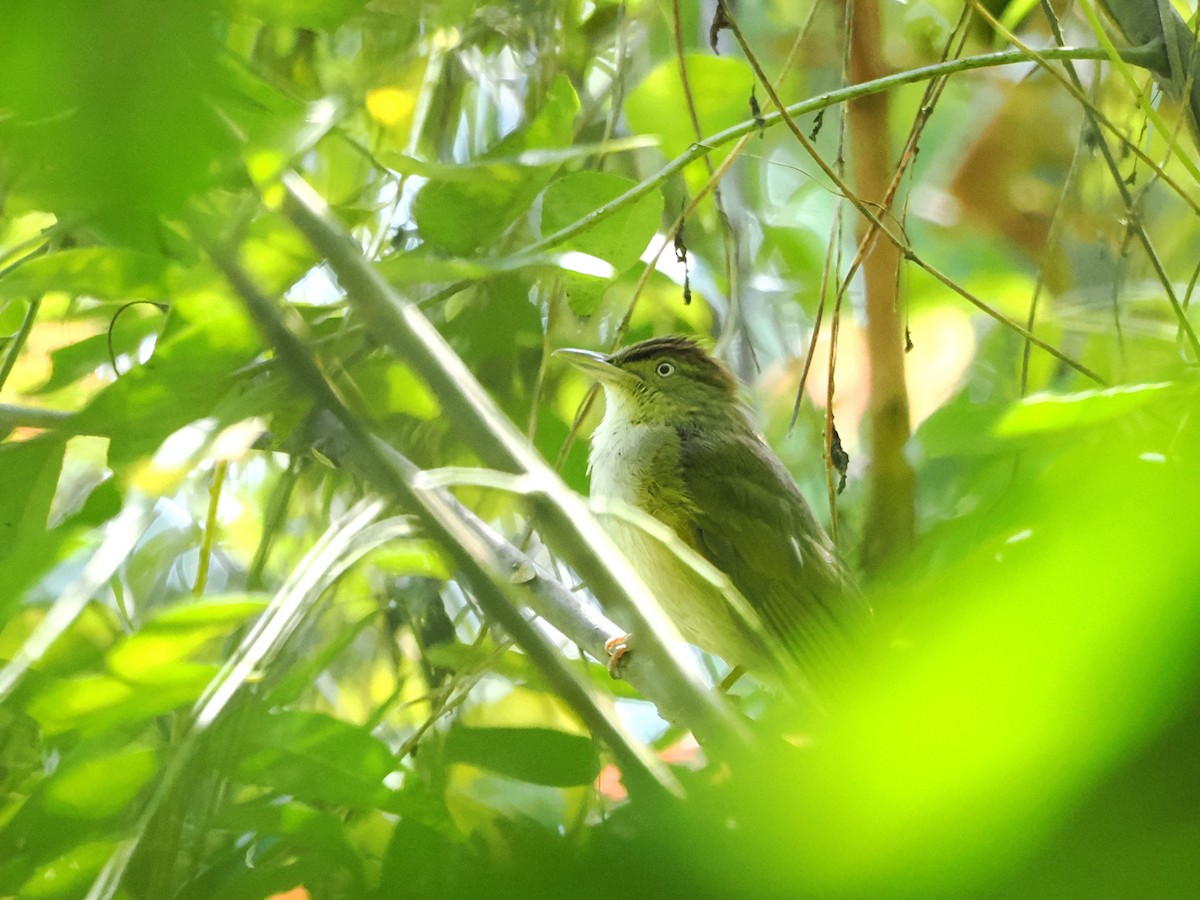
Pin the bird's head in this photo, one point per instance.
(662, 380)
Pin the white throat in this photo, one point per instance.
(623, 452)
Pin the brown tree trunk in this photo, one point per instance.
(890, 511)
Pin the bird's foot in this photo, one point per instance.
(616, 648)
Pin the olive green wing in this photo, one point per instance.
(751, 522)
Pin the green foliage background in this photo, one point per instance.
(228, 670)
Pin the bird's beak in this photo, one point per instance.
(596, 365)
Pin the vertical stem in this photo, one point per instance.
(18, 342)
(220, 470)
(891, 486)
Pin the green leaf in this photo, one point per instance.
(109, 112)
(29, 473)
(391, 388)
(79, 647)
(107, 273)
(317, 758)
(161, 650)
(959, 428)
(96, 702)
(422, 267)
(1061, 412)
(543, 756)
(98, 787)
(12, 315)
(317, 15)
(461, 217)
(84, 357)
(485, 168)
(69, 875)
(720, 87)
(316, 833)
(206, 339)
(619, 239)
(1015, 12)
(584, 290)
(28, 479)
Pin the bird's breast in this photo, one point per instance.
(627, 459)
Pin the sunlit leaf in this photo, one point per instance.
(163, 650)
(1048, 412)
(205, 340)
(107, 273)
(103, 701)
(28, 478)
(720, 88)
(619, 239)
(81, 646)
(96, 787)
(91, 355)
(391, 388)
(21, 568)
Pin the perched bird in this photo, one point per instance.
(677, 443)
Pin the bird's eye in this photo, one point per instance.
(664, 369)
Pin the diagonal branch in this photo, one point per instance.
(477, 562)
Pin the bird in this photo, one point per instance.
(677, 443)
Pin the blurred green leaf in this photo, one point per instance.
(81, 646)
(317, 758)
(100, 786)
(106, 273)
(161, 650)
(281, 844)
(584, 290)
(489, 167)
(960, 427)
(390, 388)
(12, 315)
(96, 702)
(28, 479)
(537, 755)
(1028, 673)
(29, 474)
(89, 355)
(1049, 412)
(69, 875)
(205, 340)
(315, 14)
(419, 266)
(99, 130)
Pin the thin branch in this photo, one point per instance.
(564, 518)
(18, 341)
(689, 101)
(1073, 83)
(863, 89)
(12, 416)
(477, 562)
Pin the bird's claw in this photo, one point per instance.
(616, 648)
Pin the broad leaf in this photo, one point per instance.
(461, 217)
(317, 758)
(537, 755)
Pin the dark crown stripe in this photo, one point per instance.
(686, 352)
